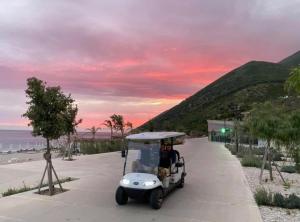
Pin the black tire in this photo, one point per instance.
(181, 182)
(121, 196)
(156, 198)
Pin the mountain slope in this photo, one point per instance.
(255, 81)
(291, 61)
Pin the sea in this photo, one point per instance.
(16, 140)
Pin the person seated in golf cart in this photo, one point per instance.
(144, 162)
(167, 159)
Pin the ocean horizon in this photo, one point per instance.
(15, 140)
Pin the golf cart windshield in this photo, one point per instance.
(143, 157)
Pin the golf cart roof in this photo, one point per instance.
(154, 135)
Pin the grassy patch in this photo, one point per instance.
(12, 191)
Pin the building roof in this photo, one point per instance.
(154, 135)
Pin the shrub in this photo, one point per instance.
(263, 197)
(288, 169)
(279, 200)
(277, 156)
(251, 161)
(293, 201)
(100, 146)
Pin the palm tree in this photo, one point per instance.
(93, 130)
(129, 126)
(109, 124)
(118, 123)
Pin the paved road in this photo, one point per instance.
(216, 190)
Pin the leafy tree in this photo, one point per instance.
(70, 124)
(46, 113)
(109, 124)
(265, 119)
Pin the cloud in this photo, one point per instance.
(119, 50)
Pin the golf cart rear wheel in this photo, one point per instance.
(181, 182)
(121, 196)
(156, 198)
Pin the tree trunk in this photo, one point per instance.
(111, 133)
(270, 163)
(236, 137)
(69, 146)
(263, 164)
(49, 170)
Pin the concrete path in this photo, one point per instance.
(216, 190)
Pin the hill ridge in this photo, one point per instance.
(254, 81)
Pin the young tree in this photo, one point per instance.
(70, 125)
(46, 113)
(108, 123)
(265, 119)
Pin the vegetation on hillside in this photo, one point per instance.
(251, 83)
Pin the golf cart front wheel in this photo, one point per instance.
(156, 198)
(121, 196)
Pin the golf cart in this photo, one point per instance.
(152, 167)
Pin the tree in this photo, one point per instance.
(265, 119)
(70, 125)
(293, 137)
(118, 123)
(108, 123)
(129, 126)
(46, 113)
(94, 130)
(293, 81)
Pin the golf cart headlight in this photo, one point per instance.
(149, 183)
(125, 181)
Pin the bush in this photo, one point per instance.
(263, 197)
(277, 156)
(251, 161)
(279, 200)
(100, 146)
(292, 202)
(288, 169)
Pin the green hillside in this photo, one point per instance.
(255, 81)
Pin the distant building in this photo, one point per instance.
(220, 130)
(223, 131)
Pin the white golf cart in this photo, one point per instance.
(152, 167)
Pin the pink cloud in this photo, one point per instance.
(119, 50)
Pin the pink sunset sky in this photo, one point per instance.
(136, 58)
